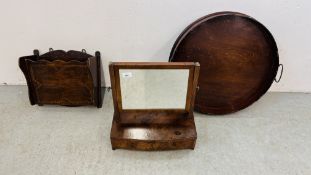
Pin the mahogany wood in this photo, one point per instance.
(152, 117)
(238, 57)
(153, 129)
(63, 78)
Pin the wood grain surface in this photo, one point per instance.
(63, 78)
(238, 57)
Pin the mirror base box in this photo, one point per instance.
(150, 135)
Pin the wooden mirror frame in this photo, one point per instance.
(160, 129)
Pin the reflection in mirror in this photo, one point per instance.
(154, 88)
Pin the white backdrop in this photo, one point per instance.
(143, 30)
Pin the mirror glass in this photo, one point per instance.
(154, 88)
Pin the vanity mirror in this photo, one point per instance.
(153, 105)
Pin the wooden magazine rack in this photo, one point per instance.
(57, 77)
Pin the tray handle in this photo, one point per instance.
(278, 80)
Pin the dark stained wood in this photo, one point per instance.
(63, 78)
(154, 137)
(153, 65)
(153, 129)
(152, 117)
(114, 90)
(238, 57)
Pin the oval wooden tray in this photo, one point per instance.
(238, 57)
